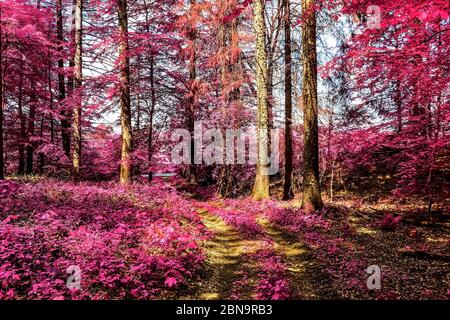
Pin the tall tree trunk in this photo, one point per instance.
(50, 119)
(398, 104)
(41, 154)
(153, 98)
(272, 45)
(2, 99)
(261, 186)
(76, 157)
(438, 117)
(70, 76)
(2, 165)
(125, 117)
(50, 91)
(270, 85)
(287, 194)
(329, 155)
(65, 123)
(229, 42)
(192, 35)
(23, 129)
(312, 199)
(31, 125)
(152, 112)
(224, 39)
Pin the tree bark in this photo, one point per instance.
(192, 36)
(312, 199)
(272, 45)
(70, 76)
(51, 100)
(41, 154)
(288, 169)
(261, 185)
(125, 117)
(76, 157)
(23, 129)
(2, 165)
(152, 98)
(225, 34)
(152, 112)
(31, 125)
(65, 123)
(2, 99)
(398, 104)
(229, 43)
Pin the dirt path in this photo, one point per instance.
(306, 278)
(224, 258)
(230, 267)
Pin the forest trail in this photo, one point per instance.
(224, 258)
(306, 279)
(227, 257)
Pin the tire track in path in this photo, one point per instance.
(307, 280)
(224, 253)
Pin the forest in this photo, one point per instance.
(224, 150)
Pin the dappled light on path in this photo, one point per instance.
(234, 261)
(224, 256)
(302, 270)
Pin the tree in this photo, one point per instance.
(261, 185)
(65, 123)
(410, 144)
(26, 50)
(76, 157)
(31, 125)
(312, 199)
(2, 99)
(125, 108)
(151, 114)
(192, 94)
(23, 133)
(287, 192)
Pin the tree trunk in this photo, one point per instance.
(192, 35)
(153, 99)
(331, 184)
(65, 123)
(70, 77)
(30, 146)
(50, 91)
(76, 157)
(398, 103)
(152, 112)
(270, 86)
(2, 165)
(23, 129)
(41, 154)
(2, 99)
(272, 45)
(224, 38)
(288, 169)
(312, 199)
(229, 43)
(261, 186)
(125, 117)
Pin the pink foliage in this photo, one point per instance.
(390, 222)
(272, 284)
(240, 218)
(128, 242)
